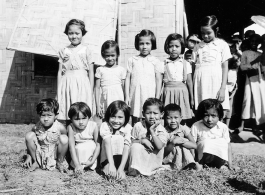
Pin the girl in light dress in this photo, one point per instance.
(76, 74)
(254, 95)
(144, 74)
(177, 76)
(83, 134)
(116, 135)
(212, 136)
(110, 78)
(211, 64)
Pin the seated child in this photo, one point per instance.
(47, 143)
(177, 152)
(116, 135)
(211, 135)
(83, 135)
(149, 138)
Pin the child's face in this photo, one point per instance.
(174, 48)
(80, 121)
(207, 33)
(145, 45)
(191, 44)
(210, 118)
(75, 34)
(117, 120)
(173, 119)
(110, 56)
(254, 42)
(47, 118)
(152, 114)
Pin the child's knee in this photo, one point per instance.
(63, 139)
(30, 136)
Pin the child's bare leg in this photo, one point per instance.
(31, 161)
(241, 127)
(61, 151)
(227, 121)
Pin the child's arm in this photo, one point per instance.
(71, 138)
(91, 77)
(221, 93)
(123, 86)
(190, 88)
(125, 154)
(157, 142)
(127, 88)
(97, 95)
(59, 77)
(158, 76)
(191, 143)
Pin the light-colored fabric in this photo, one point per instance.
(143, 80)
(208, 58)
(75, 84)
(119, 139)
(111, 84)
(142, 160)
(84, 143)
(176, 70)
(231, 79)
(46, 145)
(213, 141)
(176, 92)
(254, 96)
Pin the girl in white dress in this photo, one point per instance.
(211, 65)
(76, 74)
(144, 74)
(110, 78)
(83, 134)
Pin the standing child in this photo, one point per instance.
(83, 138)
(76, 74)
(177, 77)
(254, 95)
(144, 74)
(180, 141)
(47, 143)
(116, 135)
(211, 60)
(211, 135)
(149, 139)
(109, 77)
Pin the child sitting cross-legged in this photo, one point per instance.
(178, 153)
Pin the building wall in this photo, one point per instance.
(20, 90)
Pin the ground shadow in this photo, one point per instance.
(242, 186)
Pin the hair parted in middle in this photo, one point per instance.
(151, 102)
(210, 21)
(208, 104)
(173, 37)
(78, 23)
(108, 44)
(145, 33)
(77, 107)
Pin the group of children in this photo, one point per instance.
(156, 96)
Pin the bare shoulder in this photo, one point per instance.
(61, 128)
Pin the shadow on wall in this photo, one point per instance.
(21, 89)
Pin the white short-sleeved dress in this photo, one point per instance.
(75, 84)
(208, 58)
(143, 80)
(84, 144)
(111, 84)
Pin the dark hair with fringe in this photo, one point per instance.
(109, 44)
(208, 104)
(210, 21)
(77, 107)
(75, 22)
(47, 105)
(151, 102)
(171, 108)
(114, 107)
(145, 33)
(255, 36)
(173, 37)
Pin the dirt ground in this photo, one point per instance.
(249, 178)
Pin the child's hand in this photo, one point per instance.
(66, 58)
(147, 144)
(221, 95)
(128, 101)
(79, 169)
(28, 162)
(178, 140)
(88, 163)
(192, 103)
(100, 112)
(120, 175)
(154, 126)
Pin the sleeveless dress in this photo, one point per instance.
(208, 58)
(75, 84)
(111, 84)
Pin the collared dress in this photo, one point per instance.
(211, 140)
(143, 80)
(142, 160)
(46, 145)
(119, 139)
(75, 84)
(180, 156)
(111, 84)
(84, 143)
(207, 80)
(175, 88)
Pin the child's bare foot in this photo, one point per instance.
(60, 167)
(34, 166)
(198, 167)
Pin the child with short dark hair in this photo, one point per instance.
(211, 135)
(83, 134)
(47, 143)
(180, 141)
(148, 140)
